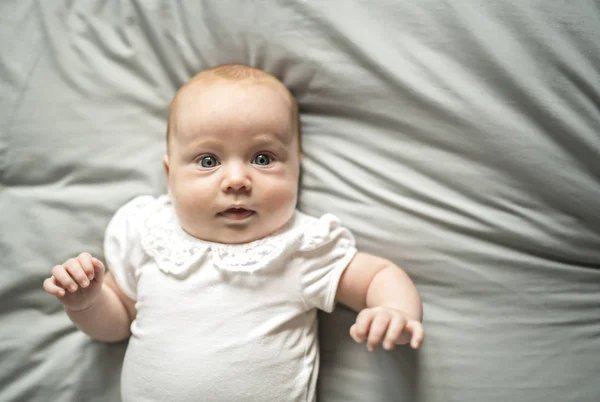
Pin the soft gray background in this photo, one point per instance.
(461, 139)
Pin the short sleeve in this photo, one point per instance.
(326, 250)
(122, 247)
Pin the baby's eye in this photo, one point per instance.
(209, 162)
(262, 160)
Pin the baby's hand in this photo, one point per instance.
(387, 325)
(77, 282)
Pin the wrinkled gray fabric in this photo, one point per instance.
(459, 139)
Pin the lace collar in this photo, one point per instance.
(175, 251)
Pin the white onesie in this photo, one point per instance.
(219, 322)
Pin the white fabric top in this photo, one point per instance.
(219, 322)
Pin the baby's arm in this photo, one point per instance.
(109, 317)
(92, 300)
(388, 303)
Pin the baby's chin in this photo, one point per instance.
(238, 234)
(231, 235)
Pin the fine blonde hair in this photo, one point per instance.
(236, 73)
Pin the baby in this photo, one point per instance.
(217, 284)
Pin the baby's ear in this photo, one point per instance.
(166, 165)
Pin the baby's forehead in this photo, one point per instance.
(208, 90)
(218, 94)
(216, 85)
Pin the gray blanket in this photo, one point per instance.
(459, 139)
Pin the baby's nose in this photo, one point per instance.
(237, 178)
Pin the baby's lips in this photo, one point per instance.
(237, 213)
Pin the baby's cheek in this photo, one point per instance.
(281, 199)
(190, 202)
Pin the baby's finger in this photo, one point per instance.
(51, 287)
(85, 260)
(99, 269)
(74, 268)
(416, 328)
(360, 329)
(63, 278)
(394, 332)
(354, 336)
(377, 331)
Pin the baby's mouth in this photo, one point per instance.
(237, 214)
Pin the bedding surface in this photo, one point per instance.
(459, 139)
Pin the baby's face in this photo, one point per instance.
(233, 161)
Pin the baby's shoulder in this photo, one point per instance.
(138, 209)
(142, 204)
(319, 231)
(130, 217)
(304, 220)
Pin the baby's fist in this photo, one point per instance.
(386, 325)
(77, 282)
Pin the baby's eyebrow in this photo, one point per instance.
(267, 141)
(273, 138)
(203, 143)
